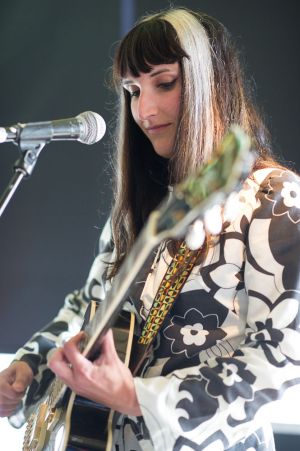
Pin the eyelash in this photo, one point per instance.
(168, 85)
(164, 86)
(134, 93)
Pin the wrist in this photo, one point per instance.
(131, 405)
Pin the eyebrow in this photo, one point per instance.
(152, 74)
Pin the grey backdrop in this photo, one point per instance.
(54, 56)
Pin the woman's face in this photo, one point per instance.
(155, 104)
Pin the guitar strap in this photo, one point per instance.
(175, 277)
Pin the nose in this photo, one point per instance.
(147, 106)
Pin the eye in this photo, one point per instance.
(132, 90)
(134, 93)
(167, 85)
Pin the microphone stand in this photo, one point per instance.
(23, 167)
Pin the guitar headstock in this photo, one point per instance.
(211, 185)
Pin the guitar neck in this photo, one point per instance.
(189, 200)
(109, 310)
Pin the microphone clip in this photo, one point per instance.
(23, 167)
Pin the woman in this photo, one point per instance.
(229, 346)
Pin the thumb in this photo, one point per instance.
(22, 380)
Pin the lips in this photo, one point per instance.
(157, 128)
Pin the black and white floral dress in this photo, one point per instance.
(230, 345)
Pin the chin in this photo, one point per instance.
(163, 152)
(166, 156)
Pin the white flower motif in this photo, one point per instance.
(230, 374)
(291, 194)
(194, 334)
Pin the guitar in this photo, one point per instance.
(57, 423)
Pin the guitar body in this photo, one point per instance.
(64, 421)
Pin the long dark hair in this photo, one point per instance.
(214, 96)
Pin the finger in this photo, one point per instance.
(9, 403)
(9, 393)
(21, 382)
(59, 364)
(72, 353)
(77, 339)
(8, 411)
(108, 349)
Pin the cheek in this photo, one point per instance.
(133, 110)
(174, 105)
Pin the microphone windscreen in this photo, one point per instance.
(92, 127)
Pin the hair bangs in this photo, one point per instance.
(149, 43)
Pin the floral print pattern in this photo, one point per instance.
(232, 373)
(195, 330)
(289, 200)
(229, 346)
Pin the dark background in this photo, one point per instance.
(54, 61)
(55, 57)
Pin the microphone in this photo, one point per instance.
(87, 127)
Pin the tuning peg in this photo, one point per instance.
(231, 207)
(195, 235)
(213, 220)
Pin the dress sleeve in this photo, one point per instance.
(223, 400)
(63, 326)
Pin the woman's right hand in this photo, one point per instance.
(14, 381)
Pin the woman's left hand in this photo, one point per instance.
(106, 380)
